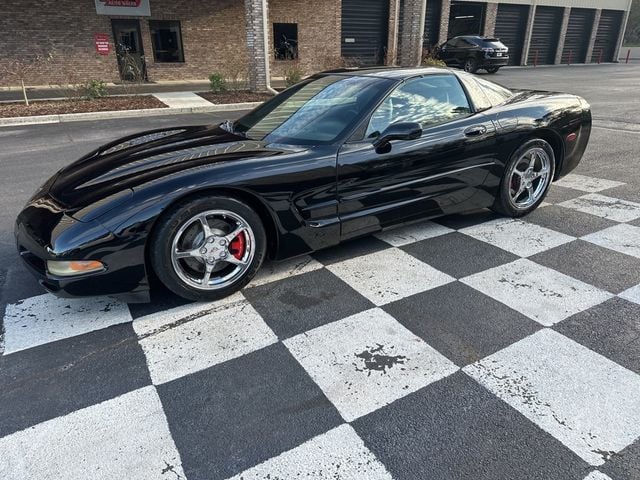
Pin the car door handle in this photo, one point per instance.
(475, 131)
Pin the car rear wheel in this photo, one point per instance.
(493, 69)
(526, 179)
(471, 65)
(208, 248)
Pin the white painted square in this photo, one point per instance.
(622, 238)
(632, 294)
(47, 318)
(587, 184)
(518, 237)
(605, 207)
(586, 401)
(366, 361)
(274, 271)
(540, 293)
(126, 437)
(187, 339)
(388, 275)
(413, 233)
(597, 475)
(339, 454)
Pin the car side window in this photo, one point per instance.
(429, 100)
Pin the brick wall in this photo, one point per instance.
(213, 35)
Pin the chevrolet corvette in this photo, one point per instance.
(340, 155)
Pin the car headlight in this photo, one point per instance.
(73, 267)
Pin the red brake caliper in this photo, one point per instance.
(238, 246)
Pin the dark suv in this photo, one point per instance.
(474, 52)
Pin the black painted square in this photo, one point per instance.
(459, 255)
(238, 414)
(565, 220)
(611, 328)
(595, 265)
(460, 322)
(350, 249)
(455, 429)
(299, 303)
(57, 378)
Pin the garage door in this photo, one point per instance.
(364, 30)
(545, 34)
(576, 41)
(432, 23)
(511, 24)
(607, 35)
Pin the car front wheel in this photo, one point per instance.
(493, 69)
(208, 248)
(526, 180)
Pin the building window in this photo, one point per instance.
(285, 41)
(166, 38)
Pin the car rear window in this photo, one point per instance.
(491, 43)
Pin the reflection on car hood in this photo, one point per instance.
(130, 161)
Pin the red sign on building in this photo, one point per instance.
(102, 43)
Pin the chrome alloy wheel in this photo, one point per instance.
(529, 177)
(212, 249)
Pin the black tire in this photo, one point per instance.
(493, 69)
(471, 65)
(160, 245)
(503, 204)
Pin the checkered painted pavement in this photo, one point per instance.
(470, 347)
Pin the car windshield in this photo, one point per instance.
(316, 111)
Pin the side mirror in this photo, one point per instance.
(398, 131)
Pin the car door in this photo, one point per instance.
(438, 173)
(448, 52)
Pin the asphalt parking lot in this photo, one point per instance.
(469, 347)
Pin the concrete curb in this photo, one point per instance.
(147, 112)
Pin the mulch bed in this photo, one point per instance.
(240, 96)
(55, 107)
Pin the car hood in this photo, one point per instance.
(121, 165)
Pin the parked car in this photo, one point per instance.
(339, 155)
(473, 53)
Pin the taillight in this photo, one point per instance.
(572, 137)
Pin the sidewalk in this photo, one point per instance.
(46, 92)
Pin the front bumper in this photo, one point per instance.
(43, 233)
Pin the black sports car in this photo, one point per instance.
(339, 155)
(473, 52)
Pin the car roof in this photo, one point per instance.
(393, 73)
(475, 37)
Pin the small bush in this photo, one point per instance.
(217, 83)
(94, 89)
(293, 75)
(428, 60)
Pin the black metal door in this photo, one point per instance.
(129, 51)
(576, 41)
(365, 27)
(609, 27)
(511, 23)
(545, 35)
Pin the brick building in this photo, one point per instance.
(158, 40)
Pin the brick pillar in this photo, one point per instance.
(443, 36)
(594, 31)
(392, 41)
(257, 44)
(527, 35)
(490, 15)
(412, 12)
(563, 33)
